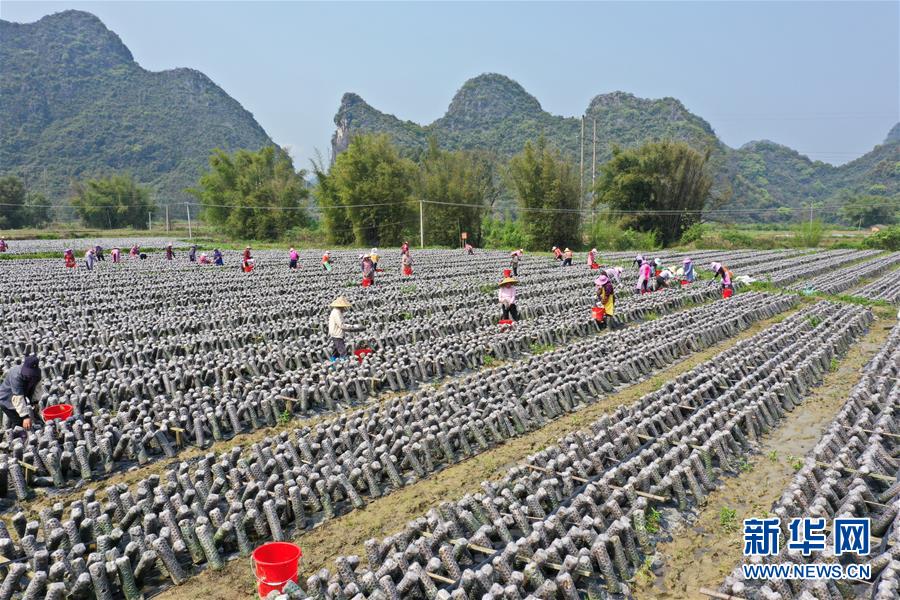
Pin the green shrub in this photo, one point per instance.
(809, 234)
(886, 239)
(695, 233)
(610, 235)
(503, 233)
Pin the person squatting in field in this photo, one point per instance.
(20, 391)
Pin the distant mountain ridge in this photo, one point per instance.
(75, 104)
(492, 112)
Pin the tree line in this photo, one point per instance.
(372, 194)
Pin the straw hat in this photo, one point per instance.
(508, 281)
(566, 250)
(340, 302)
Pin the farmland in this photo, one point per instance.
(554, 458)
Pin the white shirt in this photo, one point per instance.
(336, 323)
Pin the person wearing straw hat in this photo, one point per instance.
(293, 257)
(567, 257)
(326, 261)
(373, 255)
(20, 391)
(336, 327)
(514, 262)
(507, 297)
(170, 254)
(557, 253)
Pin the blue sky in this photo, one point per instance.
(821, 77)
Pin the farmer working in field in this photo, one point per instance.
(293, 257)
(606, 297)
(567, 258)
(557, 253)
(507, 297)
(718, 270)
(218, 259)
(368, 270)
(689, 270)
(326, 261)
(3, 245)
(336, 327)
(170, 254)
(514, 262)
(69, 257)
(20, 391)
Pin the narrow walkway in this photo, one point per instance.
(703, 552)
(346, 534)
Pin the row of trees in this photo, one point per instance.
(20, 207)
(372, 195)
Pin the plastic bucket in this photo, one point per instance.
(366, 282)
(407, 270)
(274, 565)
(58, 411)
(595, 266)
(685, 282)
(598, 312)
(361, 353)
(727, 293)
(507, 273)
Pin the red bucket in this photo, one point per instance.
(507, 273)
(727, 293)
(407, 270)
(366, 282)
(685, 282)
(595, 266)
(598, 312)
(58, 411)
(361, 353)
(275, 564)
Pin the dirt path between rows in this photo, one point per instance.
(703, 552)
(345, 535)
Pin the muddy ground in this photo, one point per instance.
(706, 548)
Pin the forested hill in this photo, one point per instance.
(75, 104)
(495, 113)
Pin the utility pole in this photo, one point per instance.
(190, 231)
(421, 224)
(167, 218)
(593, 169)
(581, 179)
(149, 221)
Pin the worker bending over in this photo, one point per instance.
(719, 270)
(606, 297)
(336, 327)
(20, 391)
